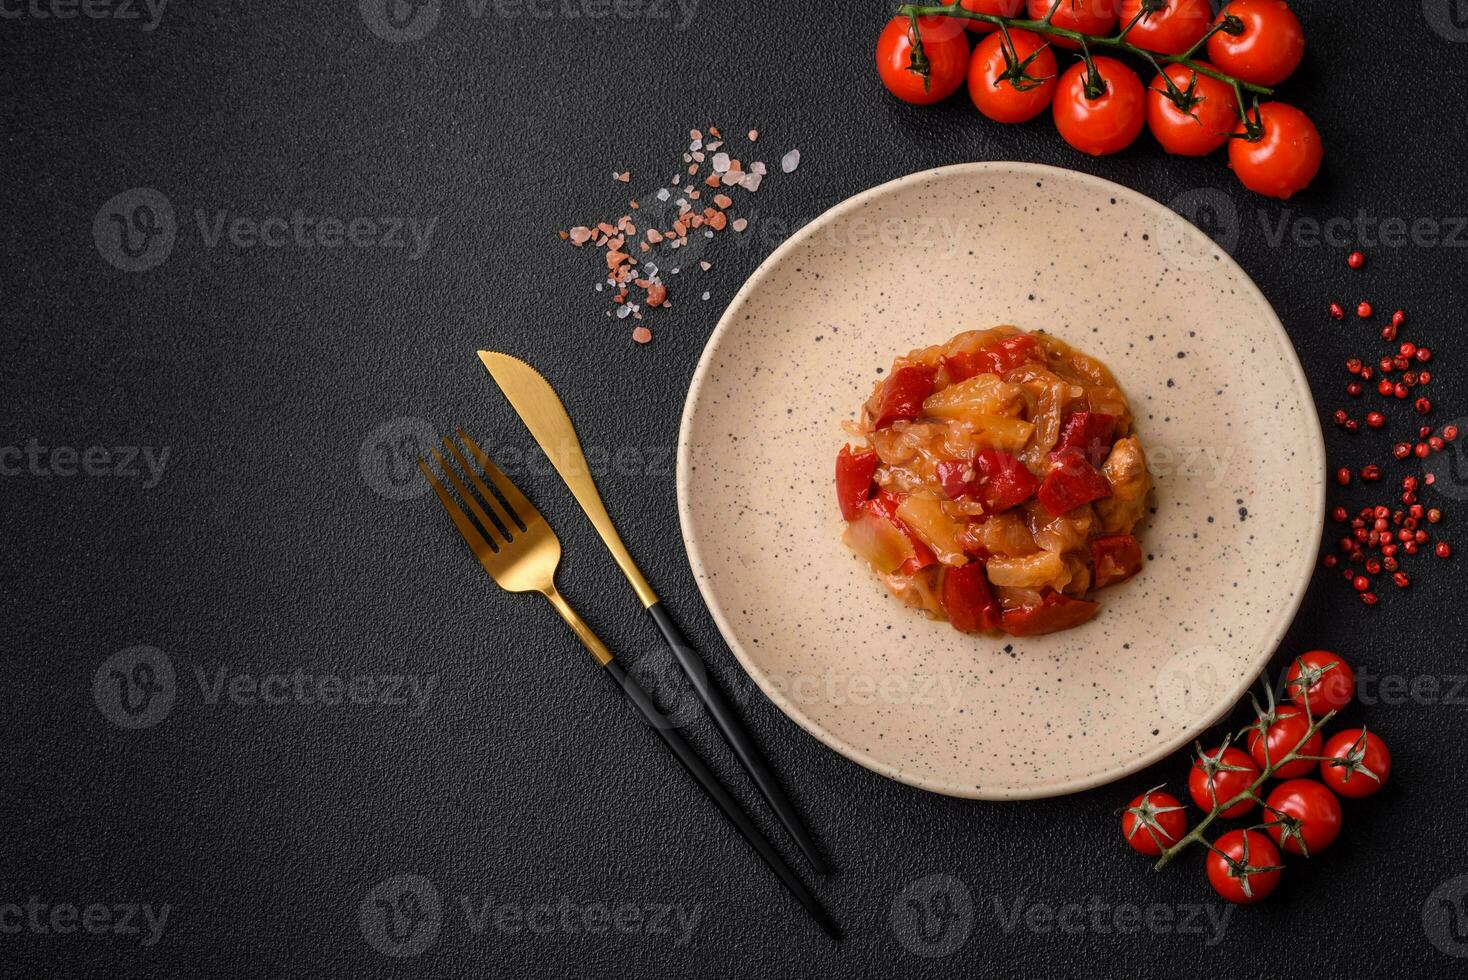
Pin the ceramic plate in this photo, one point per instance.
(1221, 406)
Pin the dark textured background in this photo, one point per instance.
(263, 547)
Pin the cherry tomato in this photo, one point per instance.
(1154, 822)
(1211, 115)
(1110, 120)
(1356, 763)
(990, 81)
(1221, 775)
(1003, 8)
(1284, 733)
(1084, 16)
(1321, 681)
(1268, 46)
(944, 44)
(1285, 157)
(1244, 866)
(1313, 817)
(1173, 29)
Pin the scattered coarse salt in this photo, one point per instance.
(707, 164)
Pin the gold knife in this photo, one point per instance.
(543, 413)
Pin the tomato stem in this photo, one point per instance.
(1195, 835)
(1116, 42)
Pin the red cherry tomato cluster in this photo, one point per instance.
(1299, 816)
(1099, 104)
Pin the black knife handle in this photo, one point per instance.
(733, 731)
(716, 791)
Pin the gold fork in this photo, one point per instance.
(515, 545)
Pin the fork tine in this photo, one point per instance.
(523, 508)
(512, 522)
(477, 544)
(496, 527)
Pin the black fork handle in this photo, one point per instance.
(716, 791)
(734, 733)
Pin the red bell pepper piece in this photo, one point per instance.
(1071, 482)
(1000, 480)
(854, 479)
(903, 394)
(1090, 432)
(886, 503)
(953, 475)
(1115, 558)
(1054, 613)
(1006, 481)
(970, 606)
(998, 358)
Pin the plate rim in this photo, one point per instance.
(1285, 613)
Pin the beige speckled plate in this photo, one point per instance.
(1221, 405)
